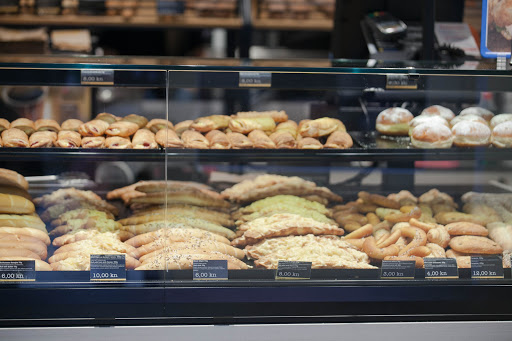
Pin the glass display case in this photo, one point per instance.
(263, 164)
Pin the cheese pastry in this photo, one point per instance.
(144, 139)
(93, 128)
(68, 139)
(93, 142)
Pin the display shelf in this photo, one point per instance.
(119, 21)
(79, 154)
(325, 25)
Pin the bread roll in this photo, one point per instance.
(14, 204)
(427, 119)
(471, 118)
(11, 178)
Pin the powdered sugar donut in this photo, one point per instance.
(427, 119)
(499, 119)
(472, 118)
(502, 135)
(482, 112)
(471, 134)
(394, 121)
(438, 110)
(428, 135)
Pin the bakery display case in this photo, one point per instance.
(186, 192)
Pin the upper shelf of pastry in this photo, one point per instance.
(226, 73)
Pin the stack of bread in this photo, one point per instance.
(176, 222)
(401, 226)
(437, 127)
(23, 234)
(285, 218)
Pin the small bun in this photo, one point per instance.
(498, 119)
(427, 119)
(438, 110)
(502, 135)
(431, 136)
(482, 112)
(472, 118)
(394, 121)
(471, 134)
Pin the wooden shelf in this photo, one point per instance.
(294, 24)
(119, 21)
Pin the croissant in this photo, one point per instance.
(42, 139)
(167, 138)
(93, 142)
(261, 140)
(71, 124)
(218, 140)
(47, 125)
(193, 139)
(24, 124)
(439, 236)
(14, 137)
(144, 139)
(68, 139)
(320, 127)
(158, 124)
(209, 123)
(93, 128)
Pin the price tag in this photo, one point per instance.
(395, 81)
(108, 268)
(441, 268)
(483, 267)
(293, 270)
(97, 77)
(398, 269)
(210, 270)
(255, 80)
(17, 271)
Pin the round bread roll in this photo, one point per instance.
(394, 121)
(427, 119)
(482, 112)
(472, 118)
(430, 136)
(502, 135)
(438, 110)
(471, 134)
(499, 119)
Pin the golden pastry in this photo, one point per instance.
(261, 140)
(71, 124)
(47, 125)
(218, 140)
(308, 143)
(239, 141)
(93, 128)
(144, 139)
(24, 124)
(117, 142)
(182, 126)
(289, 126)
(209, 123)
(140, 121)
(158, 124)
(167, 138)
(93, 142)
(109, 118)
(193, 139)
(4, 124)
(339, 140)
(122, 129)
(14, 137)
(246, 125)
(321, 127)
(68, 139)
(277, 116)
(42, 139)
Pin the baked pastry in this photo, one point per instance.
(471, 134)
(339, 140)
(218, 140)
(261, 140)
(144, 139)
(498, 119)
(308, 143)
(11, 178)
(109, 118)
(453, 217)
(12, 252)
(117, 142)
(81, 213)
(239, 141)
(283, 139)
(394, 121)
(4, 124)
(438, 110)
(16, 220)
(122, 128)
(14, 204)
(182, 126)
(71, 124)
(427, 119)
(246, 125)
(24, 124)
(193, 139)
(75, 236)
(42, 139)
(140, 121)
(289, 126)
(93, 128)
(501, 135)
(167, 138)
(501, 233)
(58, 196)
(14, 137)
(283, 208)
(176, 261)
(1, 142)
(177, 235)
(466, 229)
(475, 245)
(209, 123)
(472, 118)
(47, 125)
(93, 142)
(431, 136)
(68, 139)
(270, 203)
(320, 127)
(5, 189)
(482, 112)
(157, 124)
(277, 116)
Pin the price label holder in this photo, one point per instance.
(441, 268)
(210, 270)
(96, 77)
(18, 271)
(397, 81)
(255, 79)
(398, 269)
(106, 268)
(293, 270)
(486, 267)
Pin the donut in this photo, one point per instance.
(428, 119)
(471, 134)
(431, 136)
(482, 112)
(438, 110)
(394, 121)
(502, 135)
(498, 119)
(472, 118)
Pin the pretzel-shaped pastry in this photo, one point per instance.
(372, 250)
(419, 238)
